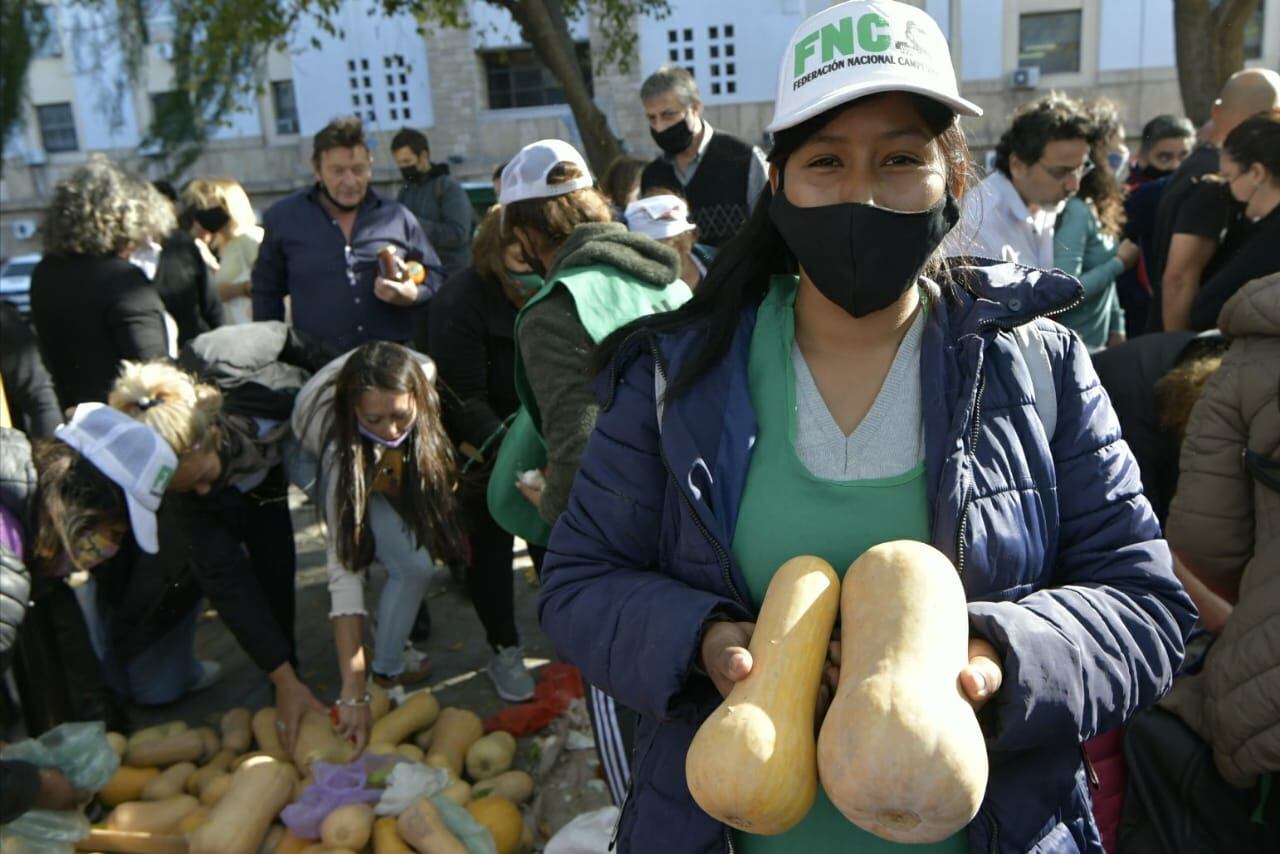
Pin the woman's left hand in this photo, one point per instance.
(981, 678)
(354, 724)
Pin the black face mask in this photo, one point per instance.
(337, 204)
(1151, 173)
(674, 139)
(412, 174)
(861, 257)
(212, 219)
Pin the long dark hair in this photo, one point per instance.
(72, 498)
(739, 276)
(426, 501)
(1101, 186)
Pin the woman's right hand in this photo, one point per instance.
(293, 699)
(354, 724)
(724, 654)
(1128, 253)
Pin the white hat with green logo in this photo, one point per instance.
(860, 48)
(131, 455)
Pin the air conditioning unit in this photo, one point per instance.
(24, 229)
(164, 50)
(1025, 78)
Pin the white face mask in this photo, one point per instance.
(146, 258)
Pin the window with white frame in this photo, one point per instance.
(57, 127)
(1050, 41)
(379, 86)
(284, 103)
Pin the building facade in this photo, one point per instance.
(479, 93)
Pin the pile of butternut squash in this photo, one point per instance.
(900, 752)
(184, 790)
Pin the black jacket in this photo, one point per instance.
(28, 388)
(90, 313)
(182, 280)
(472, 342)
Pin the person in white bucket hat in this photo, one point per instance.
(832, 386)
(665, 218)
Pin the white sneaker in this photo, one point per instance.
(510, 677)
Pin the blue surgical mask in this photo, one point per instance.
(527, 284)
(372, 437)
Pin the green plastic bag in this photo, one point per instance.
(522, 450)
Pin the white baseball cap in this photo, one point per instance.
(659, 217)
(525, 177)
(860, 48)
(132, 456)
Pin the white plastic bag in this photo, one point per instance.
(409, 782)
(589, 833)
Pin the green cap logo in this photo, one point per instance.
(161, 483)
(871, 30)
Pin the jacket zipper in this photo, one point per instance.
(963, 525)
(1094, 782)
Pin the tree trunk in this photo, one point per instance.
(543, 25)
(1210, 48)
(20, 39)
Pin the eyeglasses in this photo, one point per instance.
(1062, 173)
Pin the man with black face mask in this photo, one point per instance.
(720, 175)
(436, 199)
(326, 248)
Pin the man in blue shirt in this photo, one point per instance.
(321, 249)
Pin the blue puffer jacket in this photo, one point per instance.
(1059, 552)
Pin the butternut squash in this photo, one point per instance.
(239, 822)
(240, 760)
(410, 751)
(455, 731)
(213, 790)
(502, 819)
(106, 841)
(212, 742)
(458, 791)
(379, 701)
(318, 740)
(265, 732)
(272, 842)
(900, 751)
(423, 739)
(186, 746)
(158, 731)
(290, 844)
(126, 785)
(516, 786)
(119, 744)
(386, 838)
(422, 827)
(193, 819)
(418, 711)
(349, 826)
(219, 764)
(151, 816)
(491, 755)
(382, 749)
(751, 764)
(237, 730)
(170, 782)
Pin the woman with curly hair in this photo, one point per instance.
(1087, 239)
(386, 476)
(91, 306)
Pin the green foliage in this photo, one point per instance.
(25, 28)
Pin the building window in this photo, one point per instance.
(1050, 40)
(171, 115)
(286, 107)
(379, 86)
(724, 68)
(517, 78)
(43, 29)
(713, 60)
(57, 127)
(1253, 33)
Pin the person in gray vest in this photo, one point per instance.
(436, 199)
(719, 175)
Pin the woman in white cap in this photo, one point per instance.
(597, 277)
(831, 387)
(665, 218)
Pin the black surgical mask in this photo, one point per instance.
(1151, 173)
(212, 219)
(411, 174)
(674, 139)
(861, 257)
(337, 204)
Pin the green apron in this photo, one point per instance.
(787, 511)
(605, 300)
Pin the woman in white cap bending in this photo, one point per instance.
(665, 218)
(830, 387)
(597, 277)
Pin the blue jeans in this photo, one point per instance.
(409, 566)
(158, 675)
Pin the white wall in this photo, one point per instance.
(1136, 34)
(940, 11)
(981, 40)
(322, 78)
(106, 116)
(760, 32)
(492, 27)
